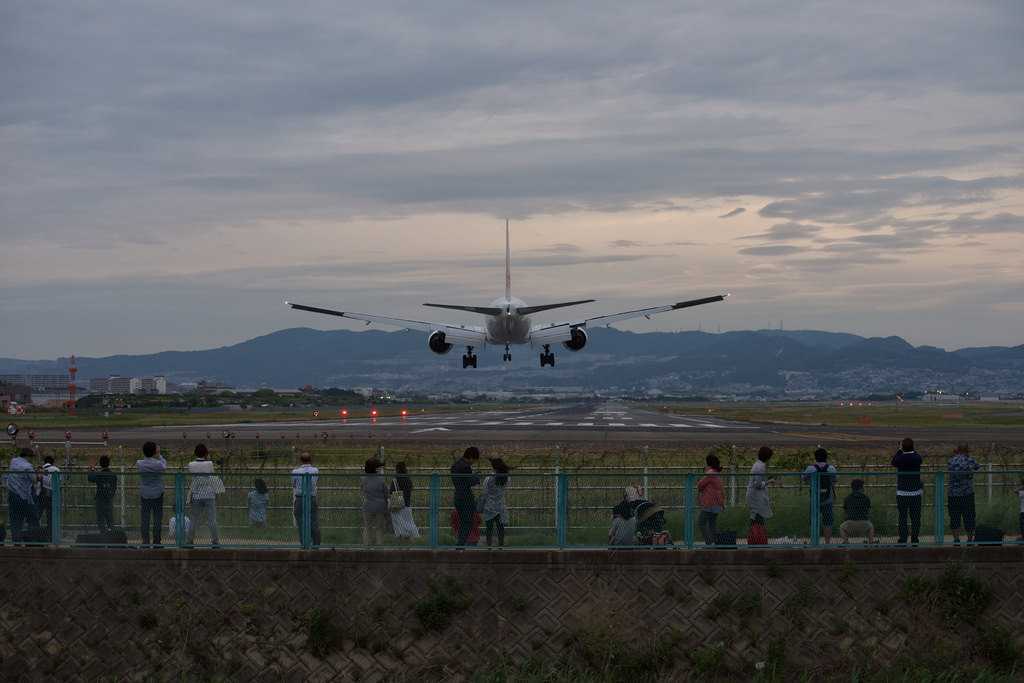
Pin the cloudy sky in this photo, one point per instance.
(173, 172)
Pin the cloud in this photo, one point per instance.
(353, 148)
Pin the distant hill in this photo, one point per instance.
(797, 363)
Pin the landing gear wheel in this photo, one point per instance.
(508, 355)
(547, 358)
(469, 358)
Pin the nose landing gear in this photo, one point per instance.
(469, 358)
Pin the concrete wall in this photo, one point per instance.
(140, 614)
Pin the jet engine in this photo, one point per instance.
(438, 345)
(578, 341)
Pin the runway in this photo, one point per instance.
(610, 421)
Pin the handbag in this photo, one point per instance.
(396, 499)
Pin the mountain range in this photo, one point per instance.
(758, 363)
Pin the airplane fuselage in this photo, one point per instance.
(509, 326)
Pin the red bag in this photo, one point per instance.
(757, 535)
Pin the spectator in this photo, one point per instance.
(857, 509)
(46, 491)
(908, 490)
(827, 479)
(21, 503)
(203, 495)
(1020, 520)
(151, 491)
(712, 499)
(757, 497)
(299, 475)
(402, 520)
(960, 491)
(256, 502)
(493, 492)
(463, 482)
(106, 486)
(375, 501)
(623, 531)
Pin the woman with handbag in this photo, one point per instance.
(399, 499)
(375, 501)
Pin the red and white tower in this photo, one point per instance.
(71, 387)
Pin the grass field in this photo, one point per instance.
(849, 413)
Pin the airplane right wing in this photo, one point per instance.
(458, 334)
(563, 332)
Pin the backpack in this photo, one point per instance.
(824, 483)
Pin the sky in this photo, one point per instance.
(171, 173)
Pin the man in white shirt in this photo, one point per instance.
(203, 496)
(299, 476)
(21, 503)
(46, 491)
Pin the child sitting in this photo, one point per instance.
(623, 531)
(856, 507)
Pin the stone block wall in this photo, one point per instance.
(148, 614)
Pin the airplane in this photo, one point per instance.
(507, 321)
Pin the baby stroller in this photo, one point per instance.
(651, 528)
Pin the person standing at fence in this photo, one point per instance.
(463, 482)
(21, 503)
(827, 479)
(960, 491)
(757, 497)
(46, 491)
(256, 503)
(106, 486)
(375, 501)
(298, 475)
(203, 495)
(712, 499)
(909, 490)
(151, 491)
(402, 520)
(495, 509)
(1020, 520)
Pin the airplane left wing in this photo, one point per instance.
(562, 332)
(459, 334)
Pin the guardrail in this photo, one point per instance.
(548, 510)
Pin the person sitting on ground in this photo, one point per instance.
(857, 508)
(257, 502)
(623, 531)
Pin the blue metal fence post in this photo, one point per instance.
(561, 501)
(55, 503)
(688, 511)
(815, 500)
(940, 532)
(307, 510)
(435, 507)
(179, 510)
